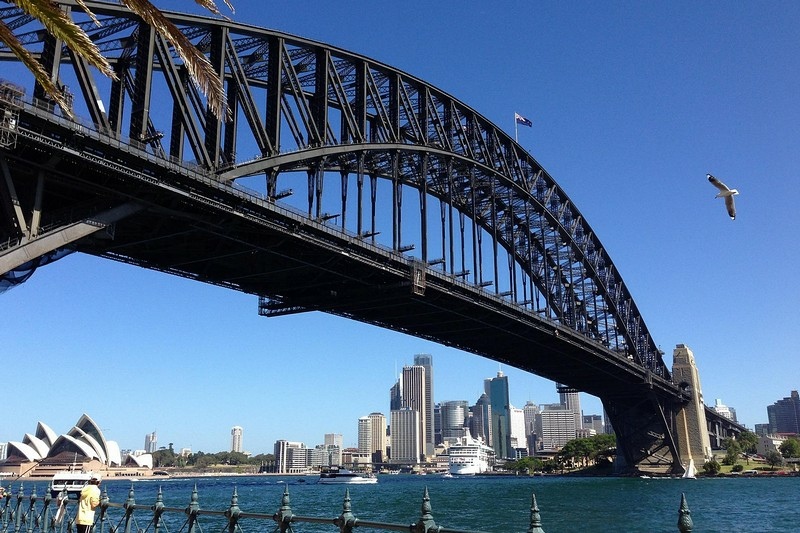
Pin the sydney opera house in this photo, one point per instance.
(84, 447)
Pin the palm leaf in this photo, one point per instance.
(88, 12)
(30, 62)
(212, 6)
(60, 26)
(199, 67)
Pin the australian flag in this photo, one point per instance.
(522, 120)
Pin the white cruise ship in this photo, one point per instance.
(469, 456)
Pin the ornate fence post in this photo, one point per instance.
(685, 524)
(47, 523)
(129, 506)
(103, 509)
(158, 510)
(346, 521)
(18, 509)
(32, 510)
(192, 511)
(284, 515)
(536, 520)
(426, 523)
(232, 513)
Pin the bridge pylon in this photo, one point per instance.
(691, 432)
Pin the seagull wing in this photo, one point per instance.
(718, 184)
(731, 207)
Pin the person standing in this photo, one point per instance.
(90, 498)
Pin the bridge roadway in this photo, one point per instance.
(566, 314)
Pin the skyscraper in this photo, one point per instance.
(454, 415)
(557, 426)
(413, 390)
(378, 429)
(236, 439)
(426, 361)
(364, 435)
(570, 398)
(784, 415)
(150, 442)
(480, 423)
(497, 392)
(405, 424)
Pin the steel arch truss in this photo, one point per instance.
(308, 107)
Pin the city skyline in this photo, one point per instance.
(632, 105)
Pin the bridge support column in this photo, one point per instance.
(691, 426)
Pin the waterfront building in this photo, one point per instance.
(364, 435)
(426, 361)
(784, 415)
(334, 444)
(406, 444)
(769, 443)
(151, 442)
(517, 429)
(454, 416)
(42, 453)
(557, 426)
(480, 420)
(496, 390)
(570, 399)
(290, 457)
(414, 397)
(236, 439)
(761, 429)
(437, 426)
(530, 411)
(378, 449)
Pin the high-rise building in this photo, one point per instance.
(453, 415)
(557, 426)
(290, 457)
(405, 424)
(413, 389)
(364, 435)
(570, 399)
(150, 442)
(530, 410)
(517, 428)
(379, 444)
(784, 415)
(723, 410)
(594, 422)
(480, 423)
(396, 396)
(426, 361)
(236, 439)
(497, 392)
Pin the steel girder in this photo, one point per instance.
(309, 107)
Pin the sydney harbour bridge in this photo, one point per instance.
(339, 184)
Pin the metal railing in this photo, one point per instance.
(30, 514)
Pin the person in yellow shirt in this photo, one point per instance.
(90, 498)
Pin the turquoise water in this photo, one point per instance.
(493, 504)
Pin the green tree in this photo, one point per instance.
(61, 26)
(712, 467)
(790, 448)
(748, 442)
(732, 452)
(526, 465)
(774, 458)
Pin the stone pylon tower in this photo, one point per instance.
(692, 430)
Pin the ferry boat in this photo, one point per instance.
(72, 481)
(336, 474)
(469, 456)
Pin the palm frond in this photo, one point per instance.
(88, 11)
(30, 62)
(212, 7)
(199, 67)
(59, 25)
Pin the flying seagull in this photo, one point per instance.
(725, 192)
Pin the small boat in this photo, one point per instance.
(71, 481)
(335, 475)
(689, 473)
(447, 474)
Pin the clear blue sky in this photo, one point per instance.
(632, 104)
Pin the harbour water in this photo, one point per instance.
(497, 504)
